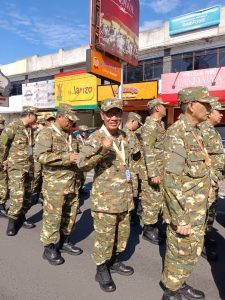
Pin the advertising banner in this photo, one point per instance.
(119, 29)
(134, 91)
(103, 66)
(199, 19)
(76, 90)
(213, 79)
(39, 94)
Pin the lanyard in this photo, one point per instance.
(28, 136)
(68, 142)
(204, 151)
(120, 154)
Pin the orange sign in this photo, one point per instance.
(133, 91)
(103, 66)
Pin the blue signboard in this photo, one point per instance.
(199, 19)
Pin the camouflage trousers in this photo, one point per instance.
(37, 180)
(59, 216)
(211, 211)
(3, 187)
(135, 184)
(20, 192)
(111, 235)
(182, 253)
(152, 201)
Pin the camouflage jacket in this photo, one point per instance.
(53, 152)
(186, 175)
(213, 143)
(17, 143)
(153, 133)
(134, 150)
(111, 192)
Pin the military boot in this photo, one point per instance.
(209, 253)
(151, 234)
(171, 295)
(103, 277)
(65, 245)
(3, 211)
(209, 241)
(12, 228)
(26, 224)
(52, 255)
(116, 266)
(189, 293)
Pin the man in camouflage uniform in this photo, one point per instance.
(152, 133)
(17, 143)
(3, 175)
(187, 185)
(54, 150)
(132, 124)
(106, 151)
(213, 144)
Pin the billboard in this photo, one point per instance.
(79, 90)
(132, 91)
(199, 19)
(39, 94)
(103, 66)
(115, 28)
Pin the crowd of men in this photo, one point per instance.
(165, 178)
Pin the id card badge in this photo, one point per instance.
(128, 175)
(30, 151)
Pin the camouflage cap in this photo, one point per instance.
(135, 116)
(67, 111)
(216, 105)
(50, 115)
(2, 120)
(109, 103)
(157, 101)
(198, 93)
(30, 110)
(83, 128)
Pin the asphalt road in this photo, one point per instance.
(24, 275)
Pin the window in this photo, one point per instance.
(222, 57)
(16, 88)
(153, 69)
(135, 74)
(182, 62)
(205, 59)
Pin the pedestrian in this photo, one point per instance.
(17, 157)
(187, 186)
(54, 151)
(106, 152)
(152, 133)
(213, 144)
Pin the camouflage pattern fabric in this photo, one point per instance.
(111, 235)
(59, 180)
(3, 178)
(153, 133)
(182, 253)
(17, 141)
(81, 176)
(186, 185)
(111, 193)
(213, 144)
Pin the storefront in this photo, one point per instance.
(172, 83)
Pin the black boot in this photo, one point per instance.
(209, 241)
(52, 255)
(171, 295)
(65, 245)
(104, 278)
(3, 211)
(189, 293)
(151, 234)
(116, 266)
(79, 211)
(12, 228)
(26, 224)
(209, 253)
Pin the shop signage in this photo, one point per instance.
(213, 79)
(134, 91)
(103, 66)
(199, 19)
(76, 90)
(39, 94)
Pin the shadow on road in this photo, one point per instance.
(37, 217)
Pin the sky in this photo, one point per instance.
(44, 26)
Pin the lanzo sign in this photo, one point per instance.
(103, 66)
(199, 19)
(39, 94)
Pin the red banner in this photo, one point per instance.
(119, 29)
